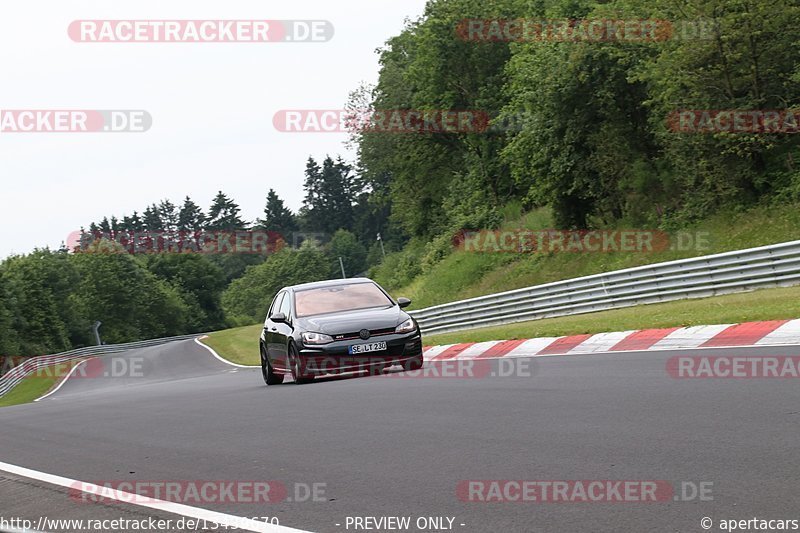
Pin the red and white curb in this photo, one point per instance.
(746, 334)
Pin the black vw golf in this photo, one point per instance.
(335, 327)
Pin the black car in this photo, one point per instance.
(335, 327)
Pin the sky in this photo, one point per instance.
(212, 107)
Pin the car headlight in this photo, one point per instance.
(406, 327)
(316, 338)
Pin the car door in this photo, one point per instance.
(270, 330)
(283, 330)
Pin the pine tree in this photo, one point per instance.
(152, 220)
(338, 191)
(277, 217)
(331, 192)
(105, 228)
(312, 185)
(223, 215)
(190, 217)
(168, 215)
(136, 222)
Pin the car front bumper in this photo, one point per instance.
(334, 358)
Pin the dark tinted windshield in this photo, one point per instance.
(346, 297)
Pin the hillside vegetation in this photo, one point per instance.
(579, 134)
(463, 274)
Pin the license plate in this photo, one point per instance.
(368, 347)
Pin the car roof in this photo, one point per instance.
(326, 283)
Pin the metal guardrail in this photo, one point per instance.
(13, 377)
(742, 270)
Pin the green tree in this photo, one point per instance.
(9, 338)
(105, 227)
(132, 223)
(151, 219)
(199, 281)
(331, 191)
(277, 217)
(747, 60)
(427, 67)
(344, 244)
(190, 217)
(223, 215)
(585, 129)
(39, 286)
(168, 215)
(131, 302)
(247, 298)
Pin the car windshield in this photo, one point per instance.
(346, 297)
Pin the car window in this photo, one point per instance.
(276, 304)
(286, 306)
(345, 297)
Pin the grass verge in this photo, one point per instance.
(36, 385)
(237, 345)
(765, 304)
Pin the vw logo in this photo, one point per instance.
(364, 334)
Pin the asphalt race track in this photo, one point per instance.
(388, 446)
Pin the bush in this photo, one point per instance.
(400, 268)
(38, 287)
(130, 301)
(199, 282)
(354, 256)
(247, 299)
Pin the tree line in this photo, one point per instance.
(591, 140)
(594, 142)
(50, 299)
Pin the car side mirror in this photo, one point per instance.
(279, 318)
(403, 302)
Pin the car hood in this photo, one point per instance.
(353, 321)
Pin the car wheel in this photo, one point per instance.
(270, 377)
(415, 364)
(294, 364)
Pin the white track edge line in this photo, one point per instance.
(215, 354)
(151, 503)
(61, 383)
(75, 368)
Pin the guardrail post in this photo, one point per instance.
(96, 330)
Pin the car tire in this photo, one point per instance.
(415, 364)
(294, 365)
(270, 377)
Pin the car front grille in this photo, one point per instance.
(355, 335)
